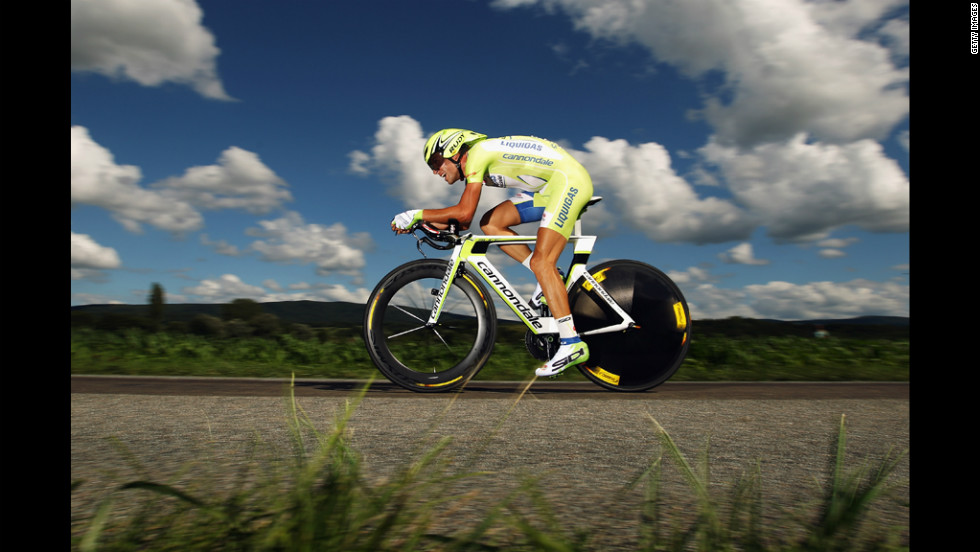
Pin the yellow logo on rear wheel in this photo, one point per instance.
(680, 316)
(605, 376)
(599, 276)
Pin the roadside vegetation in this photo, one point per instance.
(318, 497)
(212, 347)
(309, 339)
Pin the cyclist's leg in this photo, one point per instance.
(567, 192)
(514, 211)
(571, 349)
(565, 196)
(544, 264)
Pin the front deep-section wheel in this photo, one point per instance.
(639, 358)
(423, 357)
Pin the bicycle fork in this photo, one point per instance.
(447, 281)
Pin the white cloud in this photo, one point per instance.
(837, 243)
(806, 91)
(801, 191)
(788, 301)
(692, 275)
(97, 180)
(89, 259)
(709, 302)
(224, 289)
(741, 254)
(834, 247)
(788, 66)
(148, 41)
(86, 253)
(903, 139)
(239, 181)
(651, 197)
(93, 299)
(272, 284)
(229, 287)
(330, 292)
(337, 292)
(396, 158)
(895, 36)
(330, 248)
(221, 247)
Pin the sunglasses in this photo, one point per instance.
(435, 161)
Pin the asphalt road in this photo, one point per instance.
(585, 445)
(545, 389)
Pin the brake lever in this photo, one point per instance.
(418, 245)
(425, 238)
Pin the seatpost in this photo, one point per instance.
(578, 222)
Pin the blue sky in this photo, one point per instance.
(755, 150)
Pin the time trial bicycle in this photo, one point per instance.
(430, 325)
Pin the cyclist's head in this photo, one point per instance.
(446, 143)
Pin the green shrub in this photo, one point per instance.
(207, 325)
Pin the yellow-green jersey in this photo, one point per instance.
(558, 185)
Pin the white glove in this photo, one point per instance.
(404, 221)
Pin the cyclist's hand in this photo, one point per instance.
(403, 221)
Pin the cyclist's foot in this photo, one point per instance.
(571, 352)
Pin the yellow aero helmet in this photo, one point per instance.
(448, 141)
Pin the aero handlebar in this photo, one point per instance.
(436, 238)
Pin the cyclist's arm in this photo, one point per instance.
(462, 211)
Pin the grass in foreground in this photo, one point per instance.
(321, 500)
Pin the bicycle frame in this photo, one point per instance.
(641, 343)
(472, 250)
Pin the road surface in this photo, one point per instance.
(256, 387)
(586, 445)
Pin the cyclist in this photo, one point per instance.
(554, 188)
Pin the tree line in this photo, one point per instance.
(238, 318)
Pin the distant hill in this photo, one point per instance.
(878, 320)
(321, 314)
(313, 313)
(881, 327)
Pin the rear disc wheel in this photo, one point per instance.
(638, 358)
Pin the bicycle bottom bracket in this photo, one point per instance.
(541, 346)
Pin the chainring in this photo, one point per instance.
(541, 347)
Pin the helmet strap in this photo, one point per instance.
(459, 167)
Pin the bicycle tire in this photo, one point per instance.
(642, 357)
(414, 355)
